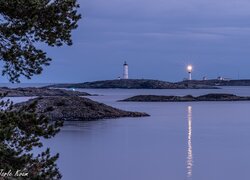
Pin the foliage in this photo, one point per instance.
(26, 23)
(20, 132)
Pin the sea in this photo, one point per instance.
(179, 141)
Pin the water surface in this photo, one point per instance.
(190, 140)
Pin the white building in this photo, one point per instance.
(125, 70)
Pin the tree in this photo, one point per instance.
(26, 23)
(20, 131)
(23, 25)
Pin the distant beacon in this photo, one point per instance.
(189, 70)
(125, 70)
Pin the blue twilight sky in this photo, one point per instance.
(157, 38)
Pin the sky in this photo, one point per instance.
(157, 38)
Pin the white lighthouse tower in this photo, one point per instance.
(125, 70)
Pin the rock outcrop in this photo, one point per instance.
(32, 91)
(207, 97)
(73, 108)
(216, 82)
(133, 84)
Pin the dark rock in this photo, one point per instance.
(75, 108)
(32, 91)
(133, 84)
(207, 97)
(221, 97)
(216, 82)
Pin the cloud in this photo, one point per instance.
(225, 31)
(166, 8)
(167, 34)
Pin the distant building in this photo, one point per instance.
(220, 78)
(125, 70)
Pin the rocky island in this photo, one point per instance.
(134, 84)
(219, 82)
(207, 97)
(32, 91)
(74, 108)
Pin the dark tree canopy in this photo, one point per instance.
(20, 131)
(24, 24)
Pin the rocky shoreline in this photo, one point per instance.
(188, 98)
(134, 84)
(32, 91)
(217, 82)
(74, 108)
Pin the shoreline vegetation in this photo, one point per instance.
(187, 98)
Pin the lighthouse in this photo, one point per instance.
(125, 70)
(189, 70)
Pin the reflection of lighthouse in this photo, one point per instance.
(125, 70)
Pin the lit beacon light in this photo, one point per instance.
(189, 70)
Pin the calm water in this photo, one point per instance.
(194, 140)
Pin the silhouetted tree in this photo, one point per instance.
(20, 132)
(24, 24)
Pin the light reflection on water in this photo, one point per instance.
(190, 150)
(178, 141)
